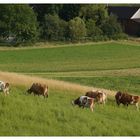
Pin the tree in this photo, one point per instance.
(77, 29)
(5, 20)
(54, 28)
(19, 22)
(92, 29)
(69, 11)
(98, 13)
(46, 9)
(111, 27)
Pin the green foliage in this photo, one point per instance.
(19, 22)
(77, 29)
(111, 27)
(46, 9)
(98, 13)
(93, 30)
(69, 11)
(54, 28)
(51, 27)
(5, 20)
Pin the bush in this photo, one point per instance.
(63, 30)
(92, 30)
(54, 28)
(51, 27)
(120, 36)
(111, 27)
(21, 23)
(77, 29)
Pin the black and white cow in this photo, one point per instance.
(84, 101)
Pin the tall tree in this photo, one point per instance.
(69, 11)
(98, 13)
(77, 29)
(46, 9)
(18, 21)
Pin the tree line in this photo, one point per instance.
(24, 23)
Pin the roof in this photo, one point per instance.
(123, 12)
(136, 16)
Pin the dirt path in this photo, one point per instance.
(20, 79)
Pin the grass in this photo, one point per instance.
(26, 115)
(129, 84)
(75, 58)
(114, 66)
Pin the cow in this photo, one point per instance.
(84, 101)
(99, 96)
(38, 89)
(126, 99)
(4, 87)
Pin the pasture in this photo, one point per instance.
(111, 66)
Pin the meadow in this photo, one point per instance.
(111, 66)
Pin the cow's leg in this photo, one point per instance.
(45, 95)
(137, 106)
(91, 107)
(118, 103)
(4, 91)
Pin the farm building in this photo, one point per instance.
(129, 17)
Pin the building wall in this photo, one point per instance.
(131, 27)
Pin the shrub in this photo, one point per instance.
(92, 30)
(54, 28)
(77, 29)
(20, 23)
(51, 27)
(111, 27)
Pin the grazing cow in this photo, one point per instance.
(38, 89)
(98, 95)
(4, 87)
(127, 99)
(84, 101)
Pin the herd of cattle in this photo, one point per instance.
(88, 100)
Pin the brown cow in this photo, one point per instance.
(126, 99)
(4, 87)
(98, 95)
(39, 89)
(84, 101)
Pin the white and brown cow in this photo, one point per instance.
(84, 101)
(126, 99)
(39, 89)
(4, 87)
(99, 96)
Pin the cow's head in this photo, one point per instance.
(100, 97)
(29, 91)
(76, 102)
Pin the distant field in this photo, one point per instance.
(113, 66)
(73, 58)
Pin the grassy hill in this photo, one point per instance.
(112, 66)
(25, 115)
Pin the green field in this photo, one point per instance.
(26, 115)
(72, 58)
(112, 66)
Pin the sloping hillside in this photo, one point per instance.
(24, 114)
